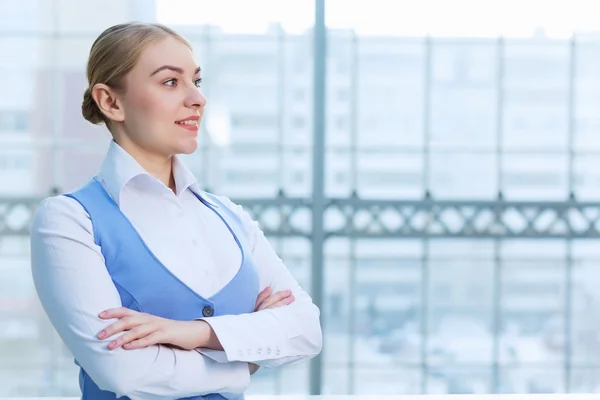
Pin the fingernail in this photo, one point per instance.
(112, 345)
(103, 314)
(101, 335)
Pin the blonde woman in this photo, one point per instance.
(158, 289)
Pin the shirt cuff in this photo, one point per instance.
(215, 355)
(248, 338)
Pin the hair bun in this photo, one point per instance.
(89, 108)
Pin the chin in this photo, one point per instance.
(187, 147)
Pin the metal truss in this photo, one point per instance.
(16, 214)
(375, 218)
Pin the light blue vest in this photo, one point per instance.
(146, 285)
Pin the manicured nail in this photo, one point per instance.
(103, 314)
(112, 345)
(101, 335)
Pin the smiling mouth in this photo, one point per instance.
(188, 123)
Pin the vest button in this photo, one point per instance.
(208, 311)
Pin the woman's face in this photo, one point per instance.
(162, 102)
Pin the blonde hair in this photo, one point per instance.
(113, 54)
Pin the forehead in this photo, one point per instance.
(168, 50)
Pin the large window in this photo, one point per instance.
(475, 120)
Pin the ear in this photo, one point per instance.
(109, 102)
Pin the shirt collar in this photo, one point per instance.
(120, 168)
(185, 179)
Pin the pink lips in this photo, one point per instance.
(190, 123)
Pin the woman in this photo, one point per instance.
(158, 289)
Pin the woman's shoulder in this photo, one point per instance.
(59, 211)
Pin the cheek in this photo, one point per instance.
(150, 105)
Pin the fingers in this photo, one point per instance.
(149, 340)
(121, 325)
(283, 297)
(277, 297)
(135, 334)
(120, 312)
(284, 302)
(262, 296)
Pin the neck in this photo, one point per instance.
(159, 166)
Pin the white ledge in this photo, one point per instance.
(554, 396)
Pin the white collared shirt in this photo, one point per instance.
(192, 242)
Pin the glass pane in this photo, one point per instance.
(388, 302)
(390, 175)
(336, 379)
(76, 165)
(389, 280)
(584, 380)
(241, 69)
(242, 172)
(532, 380)
(585, 305)
(23, 17)
(338, 334)
(460, 317)
(388, 381)
(464, 95)
(586, 180)
(285, 381)
(24, 337)
(373, 309)
(587, 96)
(340, 175)
(296, 172)
(21, 60)
(17, 171)
(536, 93)
(390, 93)
(535, 176)
(459, 380)
(533, 300)
(463, 175)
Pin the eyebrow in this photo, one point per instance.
(172, 68)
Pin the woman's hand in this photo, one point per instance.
(279, 299)
(143, 330)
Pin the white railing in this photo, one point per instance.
(554, 396)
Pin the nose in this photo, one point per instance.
(195, 98)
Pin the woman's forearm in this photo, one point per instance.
(207, 338)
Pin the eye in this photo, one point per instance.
(171, 82)
(198, 82)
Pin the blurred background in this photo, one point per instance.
(428, 170)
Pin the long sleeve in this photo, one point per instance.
(274, 337)
(74, 287)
